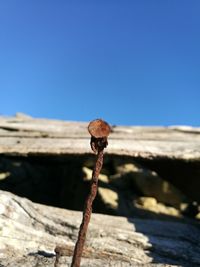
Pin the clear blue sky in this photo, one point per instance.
(130, 62)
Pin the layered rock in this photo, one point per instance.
(150, 177)
(30, 232)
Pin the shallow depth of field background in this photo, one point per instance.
(129, 62)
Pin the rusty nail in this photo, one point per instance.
(99, 131)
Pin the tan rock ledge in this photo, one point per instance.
(22, 135)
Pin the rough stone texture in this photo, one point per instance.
(30, 232)
(151, 204)
(51, 162)
(134, 189)
(172, 152)
(148, 183)
(22, 135)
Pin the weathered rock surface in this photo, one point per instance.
(148, 183)
(30, 232)
(22, 135)
(122, 191)
(148, 173)
(172, 152)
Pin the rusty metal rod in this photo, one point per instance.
(99, 131)
(87, 211)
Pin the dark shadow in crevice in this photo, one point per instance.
(185, 175)
(42, 253)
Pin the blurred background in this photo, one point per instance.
(129, 62)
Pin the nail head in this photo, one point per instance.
(99, 128)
